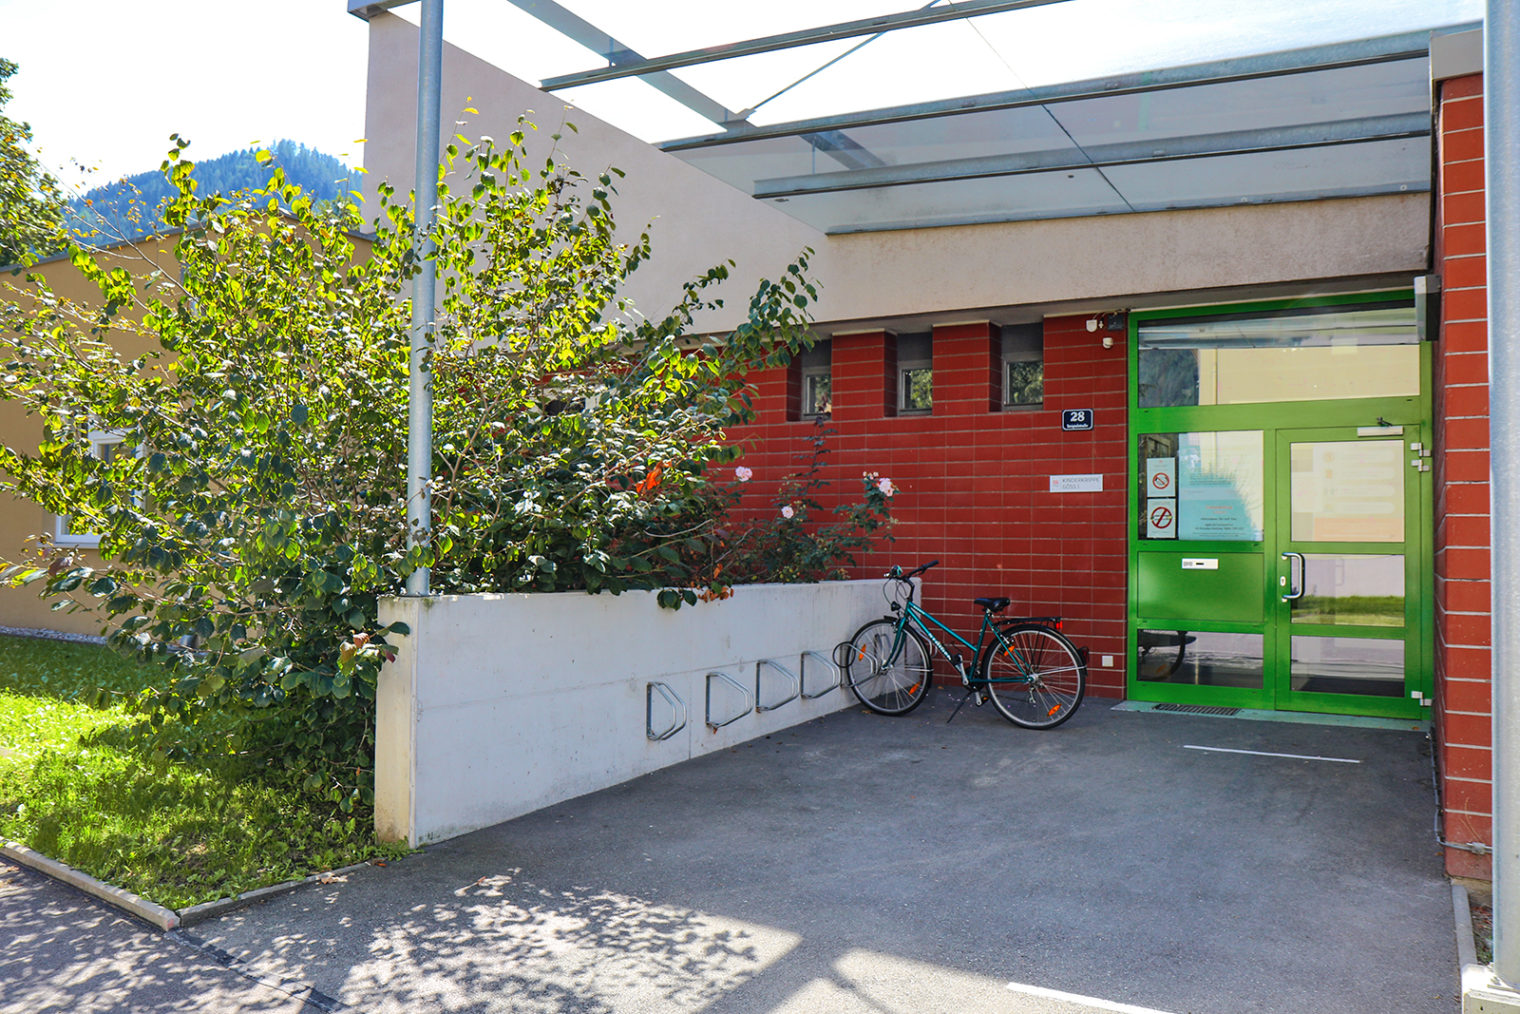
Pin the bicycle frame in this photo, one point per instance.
(920, 618)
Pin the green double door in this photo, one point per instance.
(1280, 557)
(1325, 611)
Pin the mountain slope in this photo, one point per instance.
(130, 208)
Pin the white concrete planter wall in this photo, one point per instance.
(498, 705)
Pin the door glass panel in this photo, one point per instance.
(1347, 665)
(1365, 590)
(1237, 359)
(1348, 491)
(1180, 377)
(1201, 486)
(1200, 658)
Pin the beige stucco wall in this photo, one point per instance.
(22, 521)
(699, 221)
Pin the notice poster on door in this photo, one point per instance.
(1219, 487)
(1160, 518)
(1161, 477)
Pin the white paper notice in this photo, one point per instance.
(1076, 483)
(1161, 477)
(1161, 518)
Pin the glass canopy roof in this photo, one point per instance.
(994, 110)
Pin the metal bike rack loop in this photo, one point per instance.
(749, 702)
(677, 707)
(822, 659)
(760, 667)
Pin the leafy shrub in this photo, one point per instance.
(255, 515)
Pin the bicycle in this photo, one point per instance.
(1029, 670)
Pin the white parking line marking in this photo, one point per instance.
(1263, 753)
(1084, 1001)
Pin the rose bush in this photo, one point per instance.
(257, 512)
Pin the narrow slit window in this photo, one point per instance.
(915, 374)
(817, 380)
(1023, 364)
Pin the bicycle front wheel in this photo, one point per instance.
(1034, 676)
(888, 670)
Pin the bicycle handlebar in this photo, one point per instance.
(897, 572)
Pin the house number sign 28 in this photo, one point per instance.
(1077, 419)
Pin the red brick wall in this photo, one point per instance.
(1462, 712)
(974, 482)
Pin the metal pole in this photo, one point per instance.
(1501, 124)
(419, 418)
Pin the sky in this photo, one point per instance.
(104, 83)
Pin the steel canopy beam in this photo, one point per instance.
(1238, 142)
(1045, 215)
(790, 40)
(1386, 49)
(572, 26)
(577, 29)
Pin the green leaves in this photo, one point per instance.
(255, 512)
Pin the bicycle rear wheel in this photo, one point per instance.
(1034, 676)
(889, 672)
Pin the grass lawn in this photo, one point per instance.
(76, 786)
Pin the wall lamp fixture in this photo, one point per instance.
(1118, 320)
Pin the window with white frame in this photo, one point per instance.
(816, 366)
(915, 373)
(1023, 364)
(107, 445)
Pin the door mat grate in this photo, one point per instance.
(1197, 709)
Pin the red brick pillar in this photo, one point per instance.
(1462, 568)
(966, 369)
(864, 368)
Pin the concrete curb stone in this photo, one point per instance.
(151, 912)
(211, 909)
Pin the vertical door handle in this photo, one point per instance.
(1295, 588)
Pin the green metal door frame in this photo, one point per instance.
(1413, 413)
(1412, 633)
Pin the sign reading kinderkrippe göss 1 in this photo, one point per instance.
(1076, 483)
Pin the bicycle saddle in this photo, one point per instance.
(992, 605)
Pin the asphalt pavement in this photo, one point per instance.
(63, 951)
(1123, 862)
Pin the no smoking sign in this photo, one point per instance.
(1160, 476)
(1161, 519)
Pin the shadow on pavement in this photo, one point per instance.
(866, 864)
(63, 951)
